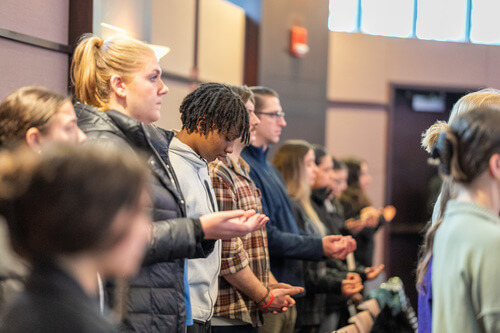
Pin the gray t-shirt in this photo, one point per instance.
(466, 270)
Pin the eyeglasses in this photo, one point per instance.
(275, 115)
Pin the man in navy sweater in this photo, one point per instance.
(287, 246)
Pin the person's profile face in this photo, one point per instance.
(324, 173)
(365, 178)
(339, 183)
(63, 126)
(145, 91)
(216, 145)
(254, 120)
(310, 167)
(271, 124)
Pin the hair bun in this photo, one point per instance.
(444, 152)
(431, 135)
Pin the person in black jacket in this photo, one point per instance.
(329, 183)
(72, 212)
(356, 204)
(122, 77)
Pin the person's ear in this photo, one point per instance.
(495, 166)
(34, 138)
(118, 85)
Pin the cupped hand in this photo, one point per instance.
(373, 272)
(351, 287)
(355, 226)
(336, 246)
(389, 212)
(230, 224)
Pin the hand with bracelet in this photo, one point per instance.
(278, 297)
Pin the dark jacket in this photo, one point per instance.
(334, 222)
(287, 246)
(13, 270)
(54, 302)
(353, 200)
(156, 294)
(319, 279)
(333, 216)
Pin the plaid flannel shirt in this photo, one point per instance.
(234, 189)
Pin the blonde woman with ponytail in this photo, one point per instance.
(119, 88)
(488, 97)
(466, 242)
(295, 160)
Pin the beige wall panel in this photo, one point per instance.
(23, 65)
(360, 133)
(222, 39)
(493, 67)
(173, 26)
(434, 63)
(170, 116)
(357, 68)
(362, 67)
(47, 19)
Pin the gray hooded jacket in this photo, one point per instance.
(194, 181)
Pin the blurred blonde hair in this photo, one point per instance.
(96, 60)
(483, 97)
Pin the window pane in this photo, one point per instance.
(485, 26)
(441, 20)
(343, 15)
(387, 17)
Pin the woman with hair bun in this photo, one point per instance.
(488, 97)
(69, 235)
(483, 97)
(466, 297)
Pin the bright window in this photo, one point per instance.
(485, 25)
(343, 15)
(443, 20)
(387, 17)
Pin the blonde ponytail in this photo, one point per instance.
(95, 61)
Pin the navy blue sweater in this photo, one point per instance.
(286, 244)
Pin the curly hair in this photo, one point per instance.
(215, 107)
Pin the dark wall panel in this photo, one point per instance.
(301, 82)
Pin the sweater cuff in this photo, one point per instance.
(199, 234)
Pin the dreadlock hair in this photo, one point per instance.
(215, 107)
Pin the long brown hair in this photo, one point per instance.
(289, 160)
(354, 197)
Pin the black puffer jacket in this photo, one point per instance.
(156, 294)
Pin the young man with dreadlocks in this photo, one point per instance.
(213, 118)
